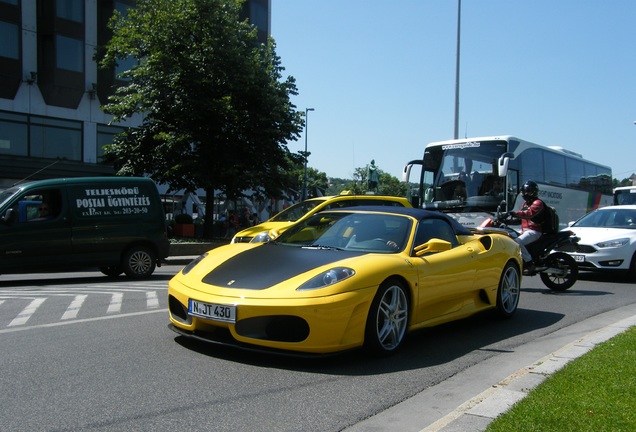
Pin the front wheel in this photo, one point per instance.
(111, 271)
(508, 291)
(388, 318)
(562, 273)
(139, 262)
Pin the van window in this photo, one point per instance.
(38, 205)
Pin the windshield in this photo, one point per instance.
(625, 196)
(463, 175)
(610, 218)
(362, 232)
(6, 194)
(295, 212)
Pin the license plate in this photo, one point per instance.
(579, 258)
(216, 312)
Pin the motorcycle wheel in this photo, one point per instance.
(560, 282)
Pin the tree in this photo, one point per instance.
(216, 112)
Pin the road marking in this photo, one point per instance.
(27, 312)
(74, 307)
(80, 321)
(115, 303)
(152, 301)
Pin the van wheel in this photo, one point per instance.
(111, 271)
(139, 262)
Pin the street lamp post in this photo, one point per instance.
(305, 176)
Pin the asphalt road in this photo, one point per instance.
(80, 352)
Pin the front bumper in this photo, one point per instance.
(317, 325)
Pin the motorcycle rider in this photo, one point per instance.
(530, 230)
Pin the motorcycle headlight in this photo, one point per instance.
(613, 243)
(330, 277)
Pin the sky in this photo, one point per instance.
(380, 76)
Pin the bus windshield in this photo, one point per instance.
(463, 175)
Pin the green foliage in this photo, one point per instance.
(216, 111)
(183, 218)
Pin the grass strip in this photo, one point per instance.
(596, 393)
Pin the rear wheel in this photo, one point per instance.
(566, 273)
(508, 291)
(388, 318)
(138, 262)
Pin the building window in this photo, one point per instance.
(106, 136)
(53, 138)
(13, 134)
(72, 10)
(70, 54)
(10, 37)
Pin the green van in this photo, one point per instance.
(116, 224)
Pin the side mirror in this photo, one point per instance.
(433, 245)
(8, 216)
(503, 162)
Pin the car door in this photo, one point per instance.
(445, 278)
(32, 239)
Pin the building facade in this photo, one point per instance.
(51, 124)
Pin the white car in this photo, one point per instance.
(607, 239)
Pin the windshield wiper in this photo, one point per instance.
(317, 246)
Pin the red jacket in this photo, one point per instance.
(527, 213)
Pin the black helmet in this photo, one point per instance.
(530, 190)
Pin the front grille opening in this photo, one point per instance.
(278, 328)
(178, 310)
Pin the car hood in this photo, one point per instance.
(270, 264)
(589, 235)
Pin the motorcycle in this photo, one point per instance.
(558, 270)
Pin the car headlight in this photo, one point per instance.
(193, 263)
(327, 278)
(261, 237)
(613, 243)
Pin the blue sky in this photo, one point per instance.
(380, 75)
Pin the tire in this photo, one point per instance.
(388, 319)
(111, 271)
(509, 291)
(564, 262)
(139, 262)
(631, 273)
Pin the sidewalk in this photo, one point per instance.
(469, 401)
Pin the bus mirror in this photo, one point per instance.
(504, 160)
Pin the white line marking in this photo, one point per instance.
(115, 303)
(74, 308)
(80, 321)
(27, 312)
(152, 300)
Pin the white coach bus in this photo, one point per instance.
(468, 178)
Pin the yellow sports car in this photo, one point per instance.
(265, 231)
(344, 279)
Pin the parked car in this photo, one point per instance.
(607, 240)
(343, 279)
(280, 222)
(115, 224)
